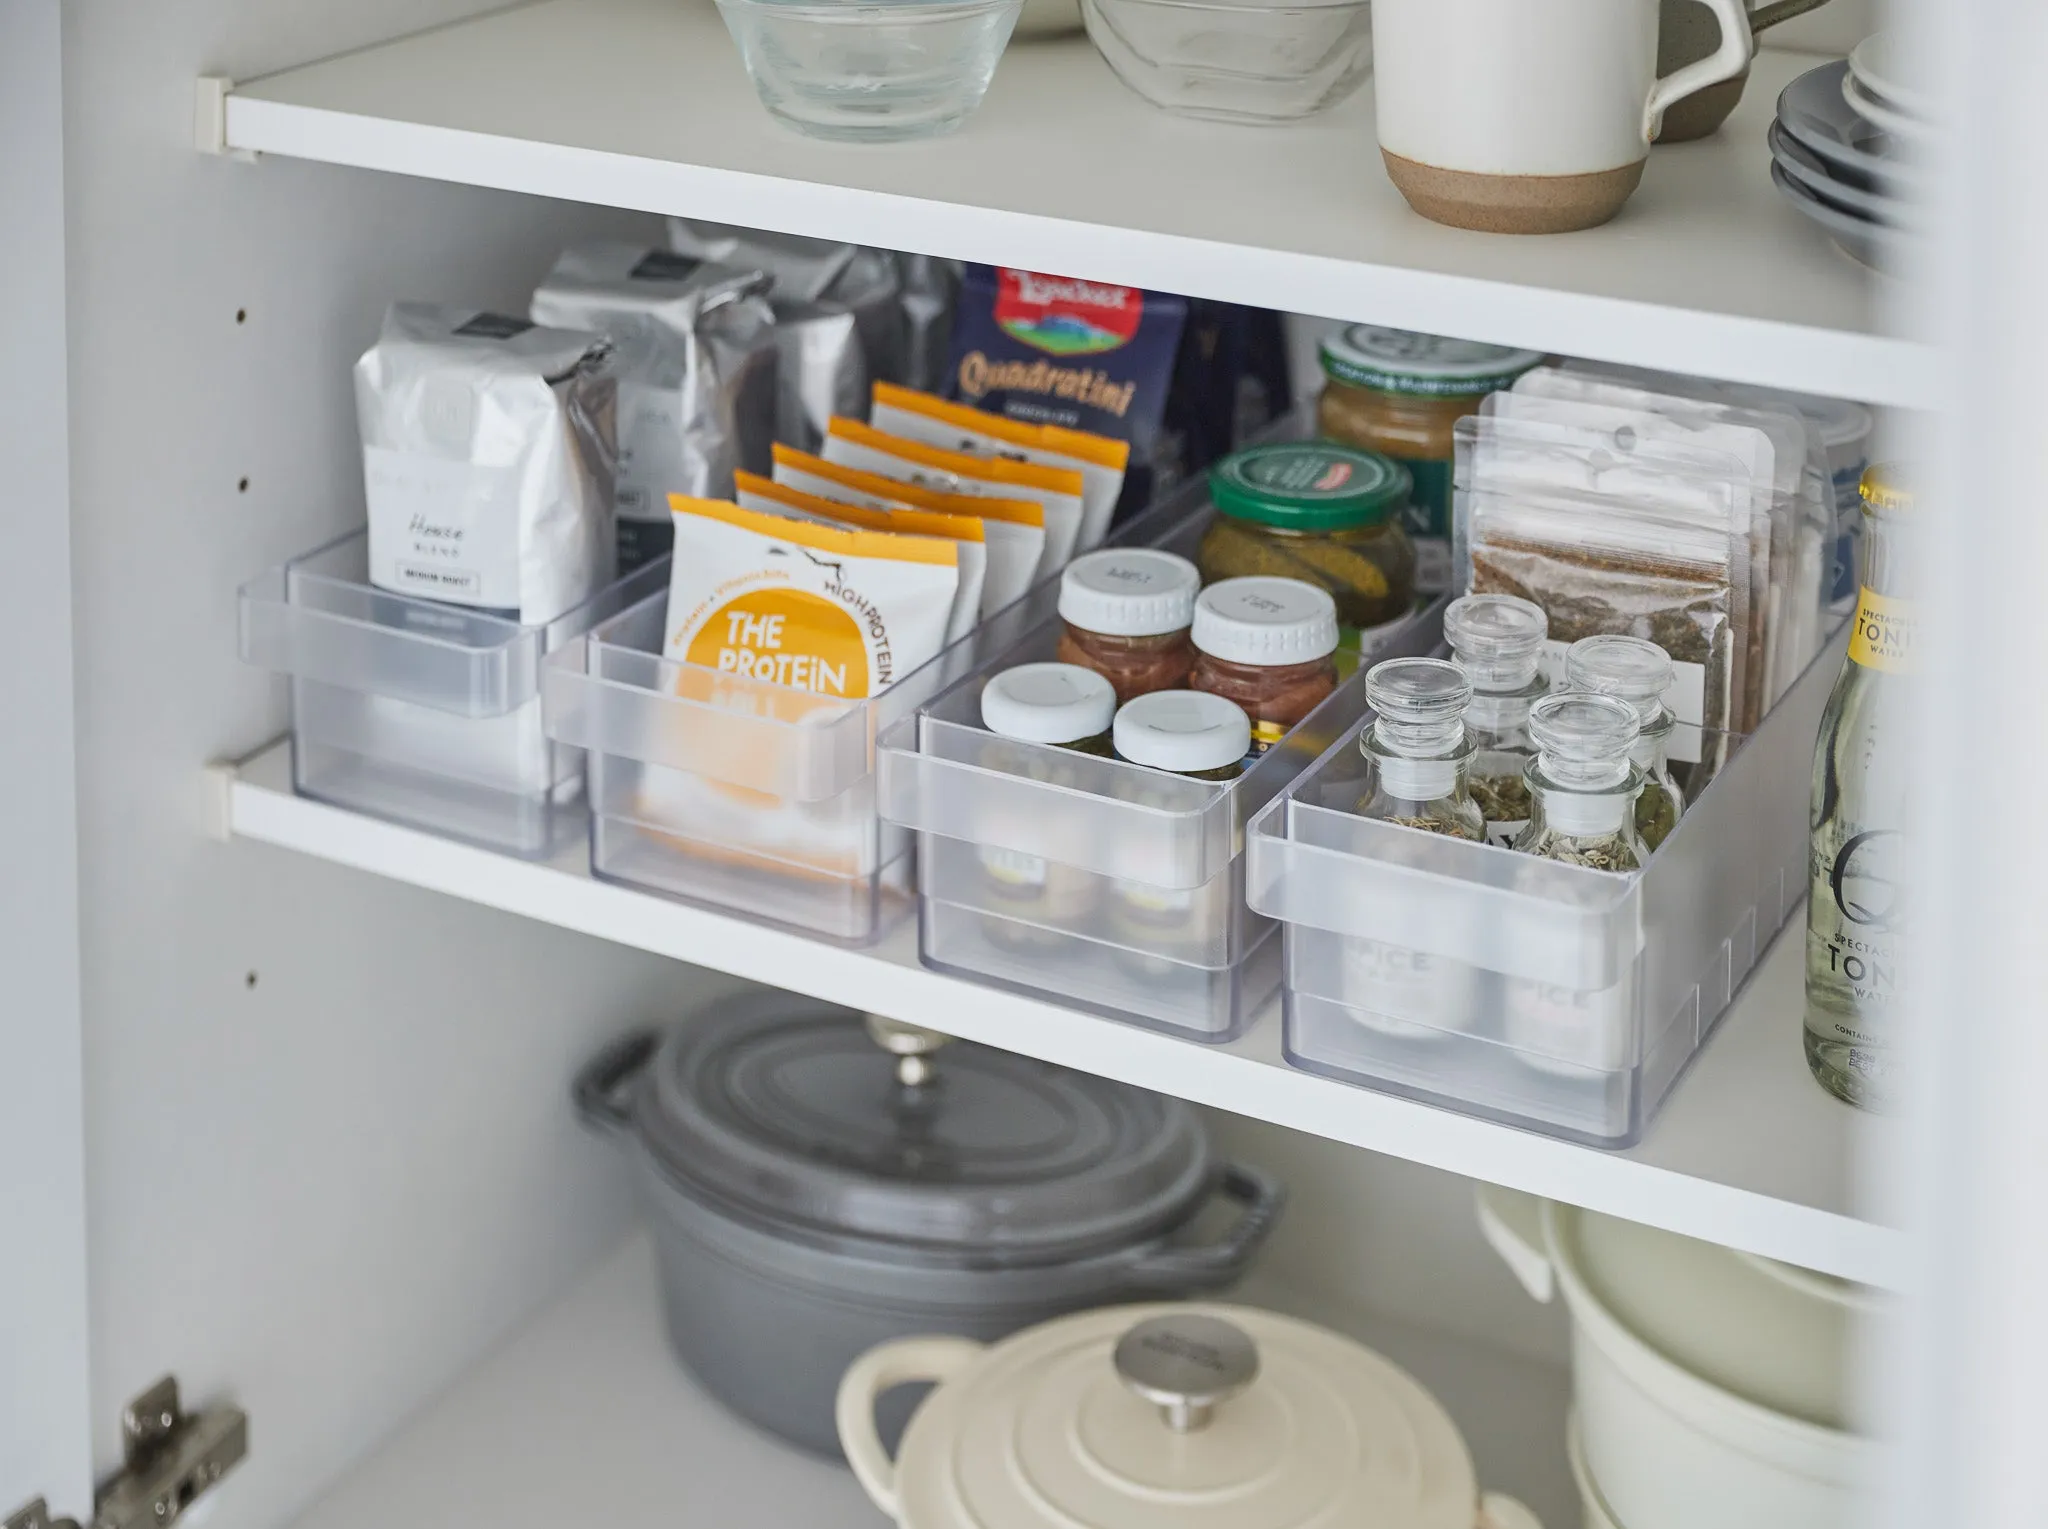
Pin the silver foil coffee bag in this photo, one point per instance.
(837, 316)
(489, 447)
(696, 359)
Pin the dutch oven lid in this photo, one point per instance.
(1164, 1417)
(803, 1116)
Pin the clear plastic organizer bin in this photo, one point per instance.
(748, 797)
(1547, 995)
(1106, 885)
(419, 712)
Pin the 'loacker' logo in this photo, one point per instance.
(1064, 316)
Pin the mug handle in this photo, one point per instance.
(1738, 47)
(896, 1363)
(1763, 19)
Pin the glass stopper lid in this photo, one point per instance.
(1582, 740)
(1418, 706)
(1632, 669)
(1498, 639)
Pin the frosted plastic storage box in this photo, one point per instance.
(1525, 990)
(419, 712)
(754, 798)
(1104, 884)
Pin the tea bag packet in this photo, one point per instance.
(752, 492)
(839, 319)
(1013, 530)
(955, 427)
(1056, 490)
(1649, 540)
(1748, 446)
(1804, 516)
(489, 449)
(695, 353)
(775, 619)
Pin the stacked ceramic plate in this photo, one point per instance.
(1848, 149)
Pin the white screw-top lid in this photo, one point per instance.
(1186, 731)
(1129, 592)
(1265, 621)
(1048, 703)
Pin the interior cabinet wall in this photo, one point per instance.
(329, 1157)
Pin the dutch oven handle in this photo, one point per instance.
(1162, 1267)
(600, 1089)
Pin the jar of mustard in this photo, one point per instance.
(1321, 512)
(1399, 393)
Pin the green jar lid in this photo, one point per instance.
(1421, 365)
(1309, 486)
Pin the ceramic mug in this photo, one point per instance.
(1690, 32)
(1530, 118)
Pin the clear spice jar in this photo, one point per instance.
(1204, 737)
(1268, 645)
(1582, 787)
(1399, 393)
(1419, 750)
(1634, 670)
(1127, 614)
(1068, 707)
(1497, 640)
(1327, 514)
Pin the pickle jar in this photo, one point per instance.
(1399, 393)
(1324, 513)
(1126, 614)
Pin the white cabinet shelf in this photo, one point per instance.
(644, 104)
(584, 1418)
(1749, 1152)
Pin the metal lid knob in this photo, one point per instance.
(1187, 1365)
(911, 1045)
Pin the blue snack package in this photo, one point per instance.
(1056, 350)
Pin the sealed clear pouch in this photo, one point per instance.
(1750, 448)
(695, 353)
(1614, 535)
(489, 449)
(1809, 515)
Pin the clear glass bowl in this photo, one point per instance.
(871, 72)
(1236, 62)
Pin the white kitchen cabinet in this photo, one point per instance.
(290, 1115)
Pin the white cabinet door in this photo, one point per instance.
(45, 1435)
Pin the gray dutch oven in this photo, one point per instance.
(818, 1185)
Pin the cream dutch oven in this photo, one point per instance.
(1713, 1388)
(1163, 1417)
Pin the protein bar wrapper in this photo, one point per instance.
(1014, 529)
(1056, 490)
(757, 493)
(951, 426)
(783, 620)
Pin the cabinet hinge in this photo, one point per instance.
(37, 1516)
(173, 1458)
